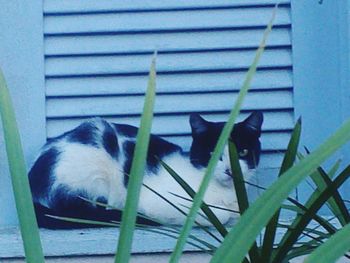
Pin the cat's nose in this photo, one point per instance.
(228, 172)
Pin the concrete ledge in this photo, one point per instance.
(94, 241)
(191, 257)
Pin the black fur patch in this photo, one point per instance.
(110, 141)
(246, 138)
(158, 148)
(128, 148)
(84, 134)
(40, 174)
(126, 130)
(245, 135)
(69, 204)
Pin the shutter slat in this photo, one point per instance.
(68, 6)
(269, 141)
(203, 61)
(195, 82)
(164, 21)
(177, 41)
(120, 105)
(167, 124)
(97, 55)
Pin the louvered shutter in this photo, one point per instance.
(97, 56)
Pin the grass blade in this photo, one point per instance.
(181, 211)
(288, 161)
(288, 242)
(203, 245)
(241, 193)
(301, 210)
(334, 169)
(20, 182)
(84, 221)
(205, 208)
(336, 203)
(337, 245)
(243, 235)
(175, 256)
(137, 172)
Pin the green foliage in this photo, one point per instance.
(137, 171)
(243, 235)
(241, 193)
(288, 161)
(197, 201)
(20, 183)
(337, 245)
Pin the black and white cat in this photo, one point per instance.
(93, 161)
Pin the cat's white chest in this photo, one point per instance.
(163, 183)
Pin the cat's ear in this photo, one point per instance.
(198, 124)
(254, 122)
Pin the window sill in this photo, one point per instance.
(85, 242)
(103, 241)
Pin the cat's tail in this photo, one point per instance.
(45, 219)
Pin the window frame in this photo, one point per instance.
(22, 46)
(22, 62)
(321, 71)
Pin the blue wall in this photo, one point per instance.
(321, 69)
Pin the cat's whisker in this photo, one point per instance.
(209, 205)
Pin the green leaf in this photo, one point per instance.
(320, 235)
(334, 168)
(337, 245)
(243, 235)
(175, 256)
(241, 194)
(181, 211)
(205, 208)
(301, 210)
(84, 221)
(288, 161)
(137, 171)
(336, 204)
(287, 242)
(297, 252)
(20, 182)
(203, 245)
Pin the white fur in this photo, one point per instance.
(220, 192)
(88, 169)
(94, 171)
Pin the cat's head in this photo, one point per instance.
(245, 135)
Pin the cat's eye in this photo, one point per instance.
(243, 153)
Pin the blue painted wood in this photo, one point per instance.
(175, 103)
(274, 121)
(97, 59)
(321, 70)
(21, 59)
(267, 79)
(68, 45)
(67, 6)
(183, 62)
(95, 66)
(163, 20)
(90, 242)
